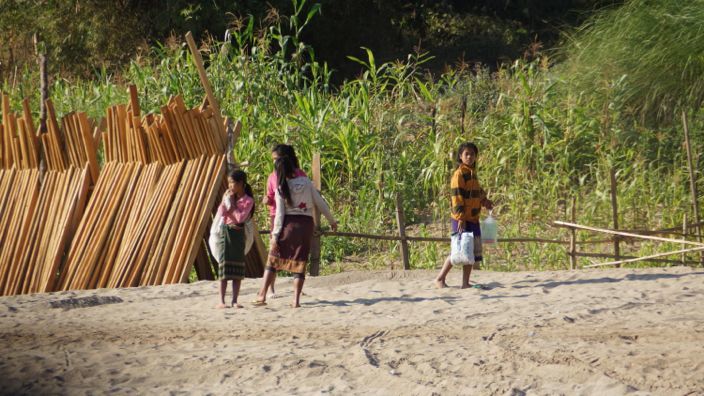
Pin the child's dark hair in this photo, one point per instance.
(284, 167)
(239, 175)
(285, 150)
(464, 146)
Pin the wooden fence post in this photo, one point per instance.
(684, 236)
(614, 210)
(44, 95)
(315, 242)
(573, 236)
(692, 179)
(400, 220)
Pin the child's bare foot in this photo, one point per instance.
(467, 286)
(440, 284)
(235, 305)
(221, 306)
(294, 305)
(273, 295)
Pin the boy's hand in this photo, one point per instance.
(333, 226)
(488, 204)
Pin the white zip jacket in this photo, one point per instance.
(304, 197)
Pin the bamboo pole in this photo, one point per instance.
(8, 132)
(89, 147)
(198, 60)
(627, 234)
(652, 256)
(134, 100)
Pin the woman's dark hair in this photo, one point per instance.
(285, 150)
(464, 146)
(239, 175)
(284, 169)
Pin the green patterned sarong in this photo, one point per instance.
(232, 260)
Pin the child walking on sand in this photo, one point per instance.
(280, 150)
(236, 208)
(293, 227)
(467, 197)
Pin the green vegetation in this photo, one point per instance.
(543, 137)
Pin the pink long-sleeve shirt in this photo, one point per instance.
(238, 211)
(271, 183)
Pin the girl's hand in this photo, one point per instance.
(460, 226)
(333, 226)
(488, 204)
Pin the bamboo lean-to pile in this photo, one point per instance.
(152, 203)
(143, 224)
(149, 208)
(36, 219)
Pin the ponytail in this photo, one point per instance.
(284, 169)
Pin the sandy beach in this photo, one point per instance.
(615, 331)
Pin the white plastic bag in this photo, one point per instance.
(216, 238)
(249, 231)
(489, 229)
(462, 249)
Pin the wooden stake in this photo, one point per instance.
(573, 235)
(315, 241)
(684, 236)
(614, 212)
(401, 222)
(692, 179)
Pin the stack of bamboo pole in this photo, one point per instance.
(37, 219)
(143, 224)
(19, 190)
(19, 146)
(145, 221)
(72, 145)
(149, 208)
(37, 260)
(177, 133)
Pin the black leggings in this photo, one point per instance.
(296, 275)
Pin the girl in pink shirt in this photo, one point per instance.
(236, 208)
(280, 150)
(272, 182)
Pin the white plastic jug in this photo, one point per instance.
(489, 229)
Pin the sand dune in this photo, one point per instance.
(616, 331)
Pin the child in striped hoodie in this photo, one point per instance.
(467, 197)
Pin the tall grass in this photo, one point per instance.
(394, 129)
(645, 55)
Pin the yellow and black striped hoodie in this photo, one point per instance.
(466, 194)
